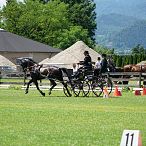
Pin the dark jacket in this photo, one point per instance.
(87, 61)
(104, 65)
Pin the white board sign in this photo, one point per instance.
(131, 138)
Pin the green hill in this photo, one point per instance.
(120, 23)
(129, 37)
(110, 25)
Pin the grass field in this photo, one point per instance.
(18, 80)
(56, 120)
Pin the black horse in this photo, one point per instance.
(25, 62)
(39, 72)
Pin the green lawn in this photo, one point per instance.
(56, 120)
(19, 80)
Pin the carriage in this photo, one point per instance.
(80, 84)
(84, 82)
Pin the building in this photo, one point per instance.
(13, 46)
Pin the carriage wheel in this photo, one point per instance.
(76, 88)
(97, 88)
(107, 83)
(69, 87)
(81, 88)
(84, 88)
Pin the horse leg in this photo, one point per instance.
(53, 84)
(65, 85)
(37, 86)
(40, 82)
(26, 90)
(25, 77)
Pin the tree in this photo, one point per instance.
(47, 23)
(119, 61)
(138, 49)
(74, 34)
(130, 59)
(135, 59)
(104, 50)
(10, 15)
(82, 13)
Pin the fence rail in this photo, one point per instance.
(123, 77)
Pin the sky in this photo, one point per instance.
(2, 2)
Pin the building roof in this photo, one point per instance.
(10, 42)
(142, 63)
(6, 62)
(73, 54)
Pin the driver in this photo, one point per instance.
(87, 63)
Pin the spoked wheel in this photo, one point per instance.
(76, 89)
(106, 83)
(69, 87)
(73, 88)
(97, 88)
(81, 88)
(85, 88)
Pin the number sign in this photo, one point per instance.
(131, 138)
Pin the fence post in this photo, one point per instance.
(0, 76)
(108, 74)
(140, 74)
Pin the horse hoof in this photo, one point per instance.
(49, 93)
(43, 94)
(26, 92)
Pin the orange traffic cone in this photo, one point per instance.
(139, 140)
(120, 94)
(117, 92)
(105, 93)
(144, 91)
(137, 92)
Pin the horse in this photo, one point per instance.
(138, 68)
(39, 72)
(135, 68)
(128, 67)
(24, 63)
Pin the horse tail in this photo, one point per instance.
(64, 70)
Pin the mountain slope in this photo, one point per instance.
(131, 36)
(117, 19)
(111, 24)
(114, 22)
(135, 8)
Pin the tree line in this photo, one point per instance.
(138, 54)
(122, 60)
